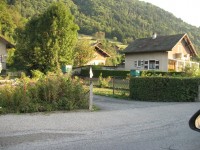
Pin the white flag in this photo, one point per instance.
(91, 73)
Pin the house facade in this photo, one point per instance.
(4, 46)
(100, 56)
(163, 53)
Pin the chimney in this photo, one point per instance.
(154, 36)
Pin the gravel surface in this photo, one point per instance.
(119, 125)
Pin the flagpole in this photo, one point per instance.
(91, 90)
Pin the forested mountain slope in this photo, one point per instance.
(124, 19)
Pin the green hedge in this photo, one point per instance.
(121, 73)
(105, 73)
(164, 89)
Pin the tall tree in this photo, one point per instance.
(48, 40)
(83, 53)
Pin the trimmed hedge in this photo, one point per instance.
(105, 73)
(124, 74)
(164, 89)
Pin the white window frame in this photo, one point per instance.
(156, 64)
(146, 65)
(139, 63)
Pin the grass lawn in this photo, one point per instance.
(123, 94)
(121, 84)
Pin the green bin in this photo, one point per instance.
(135, 73)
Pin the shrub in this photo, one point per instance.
(191, 71)
(164, 89)
(37, 74)
(103, 82)
(153, 73)
(53, 92)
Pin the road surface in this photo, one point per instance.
(119, 125)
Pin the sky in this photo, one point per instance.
(187, 10)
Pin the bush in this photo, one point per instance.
(150, 73)
(164, 89)
(103, 82)
(53, 92)
(37, 74)
(191, 71)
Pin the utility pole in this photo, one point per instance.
(91, 90)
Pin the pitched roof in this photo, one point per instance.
(8, 44)
(100, 50)
(159, 44)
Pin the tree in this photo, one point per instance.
(83, 53)
(10, 19)
(48, 40)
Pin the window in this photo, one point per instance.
(138, 63)
(151, 64)
(1, 58)
(146, 64)
(157, 64)
(154, 64)
(135, 64)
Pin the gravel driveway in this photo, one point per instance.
(119, 125)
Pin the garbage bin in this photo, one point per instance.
(135, 73)
(66, 68)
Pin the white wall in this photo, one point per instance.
(2, 48)
(162, 57)
(3, 52)
(96, 62)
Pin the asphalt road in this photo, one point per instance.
(119, 125)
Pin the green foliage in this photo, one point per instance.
(103, 82)
(10, 19)
(152, 73)
(50, 93)
(37, 74)
(96, 67)
(10, 57)
(29, 8)
(105, 73)
(187, 72)
(164, 89)
(192, 71)
(126, 20)
(83, 53)
(47, 40)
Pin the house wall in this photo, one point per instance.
(98, 60)
(3, 53)
(160, 56)
(180, 52)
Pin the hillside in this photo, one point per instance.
(125, 20)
